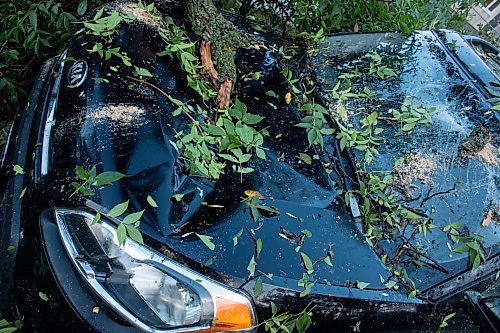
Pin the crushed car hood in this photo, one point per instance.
(125, 126)
(103, 118)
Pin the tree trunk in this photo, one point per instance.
(221, 40)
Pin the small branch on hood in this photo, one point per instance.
(194, 121)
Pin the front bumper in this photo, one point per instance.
(85, 312)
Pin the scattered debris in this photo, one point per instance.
(475, 142)
(487, 219)
(140, 14)
(489, 154)
(416, 167)
(288, 235)
(122, 113)
(253, 193)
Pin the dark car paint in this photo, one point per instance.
(339, 303)
(16, 151)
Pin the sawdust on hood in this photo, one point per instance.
(416, 167)
(489, 154)
(140, 14)
(122, 113)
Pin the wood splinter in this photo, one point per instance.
(224, 88)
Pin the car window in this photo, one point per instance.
(488, 54)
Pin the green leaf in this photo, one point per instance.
(445, 319)
(121, 233)
(327, 131)
(312, 136)
(81, 173)
(207, 240)
(245, 170)
(236, 236)
(18, 170)
(178, 197)
(152, 202)
(82, 7)
(252, 119)
(306, 158)
(271, 93)
(307, 233)
(118, 209)
(43, 296)
(229, 157)
(139, 71)
(408, 127)
(245, 133)
(97, 218)
(260, 153)
(307, 263)
(259, 246)
(258, 287)
(134, 234)
(22, 193)
(251, 266)
(33, 20)
(307, 289)
(215, 130)
(328, 261)
(132, 218)
(8, 329)
(361, 285)
(407, 214)
(107, 178)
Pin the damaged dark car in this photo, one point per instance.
(352, 184)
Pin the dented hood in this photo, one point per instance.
(122, 125)
(125, 126)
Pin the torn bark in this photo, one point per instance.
(208, 65)
(224, 96)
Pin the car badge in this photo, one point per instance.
(77, 73)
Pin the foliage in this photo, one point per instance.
(7, 327)
(231, 139)
(89, 179)
(373, 15)
(383, 214)
(410, 115)
(30, 31)
(129, 224)
(365, 139)
(444, 322)
(286, 322)
(467, 243)
(178, 44)
(314, 122)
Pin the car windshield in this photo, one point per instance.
(427, 114)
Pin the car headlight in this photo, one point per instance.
(151, 291)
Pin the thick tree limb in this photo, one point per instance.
(223, 40)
